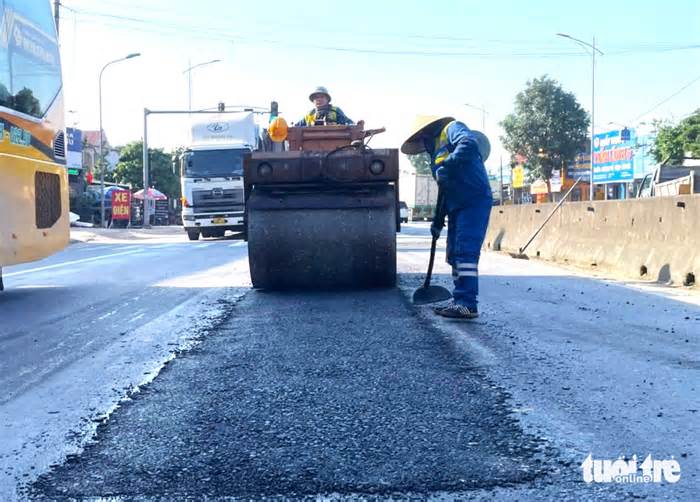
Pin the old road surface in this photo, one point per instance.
(141, 366)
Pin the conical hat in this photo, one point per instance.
(483, 144)
(413, 145)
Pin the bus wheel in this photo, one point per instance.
(193, 235)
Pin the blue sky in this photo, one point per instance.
(384, 61)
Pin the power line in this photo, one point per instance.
(666, 100)
(213, 34)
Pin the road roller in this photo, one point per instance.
(322, 211)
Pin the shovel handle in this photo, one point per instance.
(433, 245)
(429, 275)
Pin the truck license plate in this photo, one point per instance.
(218, 221)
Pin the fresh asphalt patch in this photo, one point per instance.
(301, 394)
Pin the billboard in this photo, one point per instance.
(580, 168)
(121, 204)
(518, 176)
(74, 154)
(644, 161)
(613, 157)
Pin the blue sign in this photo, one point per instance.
(75, 139)
(613, 157)
(644, 161)
(580, 168)
(74, 156)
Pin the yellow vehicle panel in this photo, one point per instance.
(20, 239)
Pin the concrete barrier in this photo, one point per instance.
(653, 239)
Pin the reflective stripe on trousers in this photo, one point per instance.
(466, 229)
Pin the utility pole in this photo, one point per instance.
(56, 13)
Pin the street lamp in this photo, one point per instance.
(101, 160)
(594, 49)
(483, 115)
(189, 79)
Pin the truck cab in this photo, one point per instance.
(211, 175)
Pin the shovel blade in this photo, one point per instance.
(430, 294)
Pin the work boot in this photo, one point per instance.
(456, 311)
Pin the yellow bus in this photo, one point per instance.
(34, 220)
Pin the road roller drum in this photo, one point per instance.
(322, 219)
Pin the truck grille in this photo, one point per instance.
(47, 199)
(217, 200)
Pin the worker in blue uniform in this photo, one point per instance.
(457, 162)
(323, 112)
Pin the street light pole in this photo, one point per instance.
(483, 115)
(100, 158)
(145, 215)
(594, 49)
(189, 79)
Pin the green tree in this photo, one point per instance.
(548, 127)
(421, 163)
(673, 143)
(130, 169)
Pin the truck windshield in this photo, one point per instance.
(214, 163)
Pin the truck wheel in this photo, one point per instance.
(193, 235)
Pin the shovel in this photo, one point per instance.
(432, 294)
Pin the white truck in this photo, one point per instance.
(669, 181)
(211, 174)
(425, 197)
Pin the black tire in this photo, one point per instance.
(193, 235)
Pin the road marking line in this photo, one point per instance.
(106, 315)
(161, 246)
(73, 262)
(237, 244)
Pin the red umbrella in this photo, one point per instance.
(152, 194)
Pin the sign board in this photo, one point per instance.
(538, 187)
(555, 181)
(580, 168)
(74, 154)
(644, 161)
(121, 205)
(613, 158)
(518, 176)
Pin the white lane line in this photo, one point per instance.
(95, 247)
(205, 245)
(137, 317)
(73, 262)
(237, 244)
(161, 246)
(106, 315)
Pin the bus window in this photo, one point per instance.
(30, 74)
